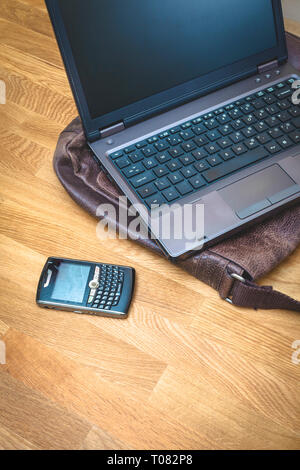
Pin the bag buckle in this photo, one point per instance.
(236, 277)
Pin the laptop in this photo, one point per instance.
(187, 103)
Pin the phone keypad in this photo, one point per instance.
(108, 294)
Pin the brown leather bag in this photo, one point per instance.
(231, 266)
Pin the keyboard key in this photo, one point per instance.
(184, 188)
(235, 113)
(208, 116)
(149, 151)
(285, 104)
(188, 147)
(258, 104)
(150, 163)
(290, 81)
(199, 154)
(199, 129)
(164, 134)
(133, 170)
(155, 200)
(275, 132)
(200, 141)
(153, 139)
(139, 180)
(136, 157)
(273, 147)
(237, 137)
(260, 126)
(269, 99)
(273, 109)
(187, 135)
(225, 130)
(197, 182)
(161, 171)
(227, 154)
(223, 118)
(247, 108)
(263, 138)
(250, 119)
(284, 142)
(171, 194)
(249, 131)
(174, 165)
(211, 124)
(283, 116)
(201, 166)
(213, 148)
(147, 190)
(161, 146)
(296, 122)
(116, 154)
(213, 135)
(272, 121)
(129, 149)
(261, 114)
(186, 125)
(188, 171)
(284, 93)
(224, 143)
(140, 145)
(176, 152)
(187, 159)
(123, 162)
(235, 164)
(237, 125)
(197, 120)
(214, 160)
(162, 184)
(295, 136)
(163, 158)
(175, 178)
(239, 149)
(287, 127)
(174, 140)
(295, 111)
(251, 143)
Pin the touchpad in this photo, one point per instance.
(254, 190)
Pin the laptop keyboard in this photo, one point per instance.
(183, 159)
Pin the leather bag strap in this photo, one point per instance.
(244, 293)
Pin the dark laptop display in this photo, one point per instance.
(132, 46)
(130, 59)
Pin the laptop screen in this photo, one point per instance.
(128, 50)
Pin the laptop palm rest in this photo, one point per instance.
(259, 191)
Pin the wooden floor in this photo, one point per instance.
(185, 371)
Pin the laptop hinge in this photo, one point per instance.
(107, 131)
(267, 66)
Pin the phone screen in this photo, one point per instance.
(70, 283)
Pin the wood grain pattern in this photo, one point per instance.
(184, 371)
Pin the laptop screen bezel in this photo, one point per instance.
(168, 99)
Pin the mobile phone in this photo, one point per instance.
(86, 287)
